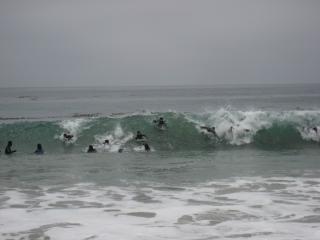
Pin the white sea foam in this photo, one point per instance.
(246, 124)
(117, 140)
(73, 127)
(141, 148)
(238, 208)
(310, 134)
(131, 114)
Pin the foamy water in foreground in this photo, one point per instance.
(224, 194)
(236, 208)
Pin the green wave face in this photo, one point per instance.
(270, 130)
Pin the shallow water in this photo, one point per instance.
(234, 194)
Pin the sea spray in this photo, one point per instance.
(116, 138)
(73, 127)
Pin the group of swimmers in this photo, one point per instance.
(39, 150)
(142, 138)
(8, 150)
(212, 130)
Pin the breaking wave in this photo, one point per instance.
(262, 129)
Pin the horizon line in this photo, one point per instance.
(188, 85)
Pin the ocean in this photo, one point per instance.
(258, 179)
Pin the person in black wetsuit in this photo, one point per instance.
(8, 149)
(67, 136)
(147, 147)
(91, 149)
(140, 136)
(160, 122)
(210, 130)
(39, 149)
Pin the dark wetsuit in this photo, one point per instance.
(67, 136)
(160, 122)
(146, 147)
(8, 150)
(140, 136)
(211, 130)
(39, 150)
(91, 149)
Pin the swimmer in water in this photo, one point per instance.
(140, 136)
(315, 129)
(210, 130)
(146, 147)
(8, 149)
(67, 136)
(39, 149)
(160, 122)
(106, 142)
(91, 149)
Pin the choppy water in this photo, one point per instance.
(260, 181)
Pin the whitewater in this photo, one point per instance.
(259, 180)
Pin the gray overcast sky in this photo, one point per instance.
(162, 42)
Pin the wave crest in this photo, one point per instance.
(234, 128)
